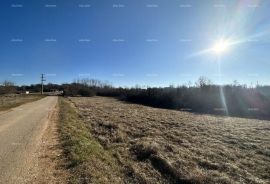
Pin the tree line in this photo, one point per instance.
(203, 97)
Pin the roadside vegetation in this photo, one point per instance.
(9, 101)
(89, 162)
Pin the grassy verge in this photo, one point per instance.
(88, 161)
(11, 101)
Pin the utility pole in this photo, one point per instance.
(42, 82)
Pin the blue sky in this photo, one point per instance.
(128, 42)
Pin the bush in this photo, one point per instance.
(86, 92)
(7, 87)
(203, 98)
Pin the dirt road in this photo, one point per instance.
(21, 131)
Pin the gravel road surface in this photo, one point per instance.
(21, 131)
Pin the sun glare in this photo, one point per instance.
(221, 46)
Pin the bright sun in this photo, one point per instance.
(220, 46)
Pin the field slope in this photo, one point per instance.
(148, 145)
(13, 100)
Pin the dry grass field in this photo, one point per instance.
(13, 100)
(127, 143)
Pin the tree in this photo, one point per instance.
(203, 82)
(7, 87)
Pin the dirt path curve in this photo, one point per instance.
(21, 136)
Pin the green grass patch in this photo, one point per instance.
(88, 161)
